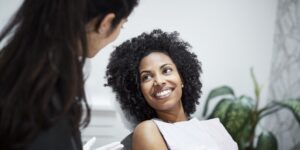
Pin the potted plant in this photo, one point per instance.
(241, 115)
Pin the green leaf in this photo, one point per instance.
(266, 141)
(221, 109)
(237, 117)
(293, 105)
(269, 110)
(256, 86)
(220, 91)
(244, 135)
(247, 101)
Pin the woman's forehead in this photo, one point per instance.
(155, 59)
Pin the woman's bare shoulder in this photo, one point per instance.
(147, 136)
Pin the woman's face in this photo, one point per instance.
(160, 82)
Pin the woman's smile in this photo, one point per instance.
(163, 93)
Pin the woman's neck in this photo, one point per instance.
(172, 116)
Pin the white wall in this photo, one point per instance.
(229, 37)
(7, 8)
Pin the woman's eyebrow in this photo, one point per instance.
(144, 71)
(162, 66)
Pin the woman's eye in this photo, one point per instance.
(167, 71)
(146, 77)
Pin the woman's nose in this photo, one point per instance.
(159, 80)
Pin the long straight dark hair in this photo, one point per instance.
(41, 63)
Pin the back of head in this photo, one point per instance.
(123, 74)
(41, 63)
(99, 8)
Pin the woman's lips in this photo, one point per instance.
(164, 93)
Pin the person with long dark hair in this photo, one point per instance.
(42, 98)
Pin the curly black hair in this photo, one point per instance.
(122, 72)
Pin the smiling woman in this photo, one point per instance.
(157, 82)
(161, 84)
(128, 72)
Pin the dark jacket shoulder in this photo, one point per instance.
(57, 137)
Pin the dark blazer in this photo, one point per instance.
(58, 137)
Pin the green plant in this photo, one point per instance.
(241, 115)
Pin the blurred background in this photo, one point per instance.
(229, 37)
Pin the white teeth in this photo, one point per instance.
(163, 93)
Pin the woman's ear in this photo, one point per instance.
(182, 83)
(105, 25)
